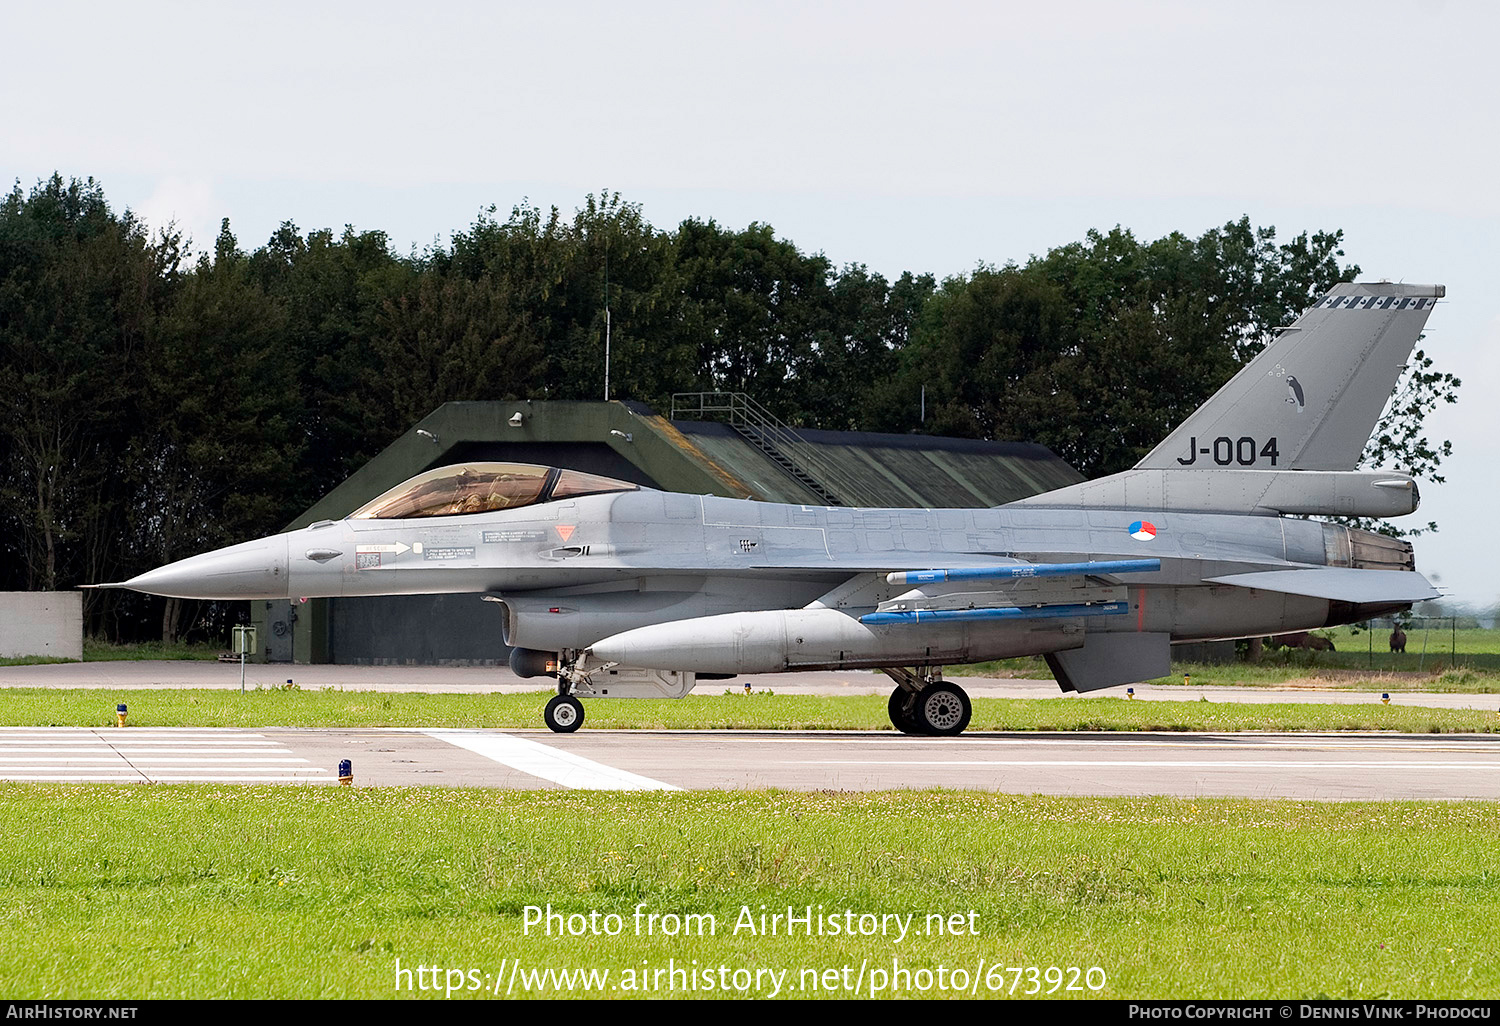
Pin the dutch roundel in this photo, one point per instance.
(1143, 530)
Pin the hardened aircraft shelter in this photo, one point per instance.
(713, 443)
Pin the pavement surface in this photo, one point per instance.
(499, 680)
(1314, 767)
(1308, 766)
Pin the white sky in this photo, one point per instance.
(923, 137)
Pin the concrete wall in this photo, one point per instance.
(41, 623)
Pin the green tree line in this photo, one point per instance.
(157, 405)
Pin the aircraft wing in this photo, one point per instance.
(1339, 584)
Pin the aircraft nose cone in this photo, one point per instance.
(255, 569)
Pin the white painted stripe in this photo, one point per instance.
(153, 759)
(128, 731)
(168, 743)
(245, 746)
(156, 761)
(214, 771)
(241, 760)
(143, 752)
(59, 779)
(539, 760)
(249, 779)
(178, 773)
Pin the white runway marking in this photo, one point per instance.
(539, 760)
(134, 755)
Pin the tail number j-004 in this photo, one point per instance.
(1227, 451)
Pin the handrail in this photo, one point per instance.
(778, 438)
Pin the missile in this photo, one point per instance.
(1020, 571)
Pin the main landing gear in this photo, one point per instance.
(924, 703)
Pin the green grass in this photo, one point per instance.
(1468, 661)
(96, 650)
(215, 891)
(763, 710)
(1308, 674)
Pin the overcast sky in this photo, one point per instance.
(925, 137)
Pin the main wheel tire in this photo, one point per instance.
(899, 708)
(564, 714)
(942, 710)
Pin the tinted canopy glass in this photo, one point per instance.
(482, 488)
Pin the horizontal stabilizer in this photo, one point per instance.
(1024, 570)
(1339, 584)
(1353, 493)
(1107, 660)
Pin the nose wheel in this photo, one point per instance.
(563, 714)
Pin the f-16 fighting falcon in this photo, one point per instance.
(619, 591)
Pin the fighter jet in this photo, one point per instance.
(619, 591)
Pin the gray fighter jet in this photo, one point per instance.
(619, 591)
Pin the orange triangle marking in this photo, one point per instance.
(565, 530)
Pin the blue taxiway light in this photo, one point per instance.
(1024, 570)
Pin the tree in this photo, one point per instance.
(217, 441)
(450, 338)
(80, 291)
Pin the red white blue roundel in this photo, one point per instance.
(1143, 530)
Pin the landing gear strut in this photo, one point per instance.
(924, 703)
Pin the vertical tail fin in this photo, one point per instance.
(1312, 397)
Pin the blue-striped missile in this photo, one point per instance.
(1021, 571)
(1060, 611)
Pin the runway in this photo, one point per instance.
(1315, 767)
(167, 674)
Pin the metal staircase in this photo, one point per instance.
(780, 442)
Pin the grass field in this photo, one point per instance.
(1457, 680)
(763, 710)
(98, 651)
(216, 891)
(1465, 660)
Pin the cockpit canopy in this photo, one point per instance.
(483, 488)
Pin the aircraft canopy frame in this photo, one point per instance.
(464, 488)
